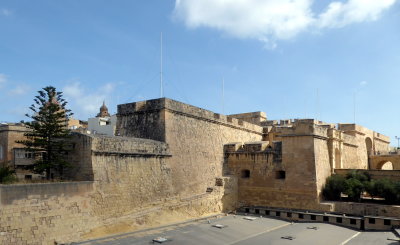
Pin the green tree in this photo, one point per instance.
(354, 188)
(387, 189)
(334, 186)
(49, 131)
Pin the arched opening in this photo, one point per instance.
(385, 165)
(245, 173)
(368, 144)
(338, 159)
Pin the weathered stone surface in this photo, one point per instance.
(173, 161)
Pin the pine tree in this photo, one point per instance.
(48, 131)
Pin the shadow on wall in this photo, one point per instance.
(11, 193)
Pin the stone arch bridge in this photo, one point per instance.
(386, 162)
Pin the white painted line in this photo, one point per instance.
(351, 238)
(254, 235)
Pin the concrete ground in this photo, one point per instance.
(240, 231)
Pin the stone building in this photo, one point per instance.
(171, 161)
(274, 163)
(10, 133)
(76, 124)
(103, 123)
(288, 169)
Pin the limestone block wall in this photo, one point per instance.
(366, 209)
(195, 138)
(382, 144)
(285, 179)
(80, 158)
(350, 152)
(257, 118)
(45, 213)
(375, 174)
(131, 188)
(322, 165)
(368, 143)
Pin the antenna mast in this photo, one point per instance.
(223, 96)
(161, 68)
(354, 107)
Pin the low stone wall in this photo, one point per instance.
(375, 174)
(44, 213)
(340, 219)
(366, 209)
(70, 212)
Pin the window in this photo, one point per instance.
(338, 220)
(266, 212)
(28, 155)
(28, 176)
(280, 174)
(371, 220)
(353, 222)
(277, 214)
(301, 216)
(247, 210)
(313, 217)
(257, 211)
(1, 152)
(387, 222)
(326, 219)
(289, 215)
(245, 173)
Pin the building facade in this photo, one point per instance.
(103, 123)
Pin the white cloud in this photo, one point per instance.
(340, 14)
(20, 90)
(271, 20)
(5, 12)
(85, 103)
(259, 19)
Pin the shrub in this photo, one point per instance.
(387, 189)
(7, 175)
(372, 188)
(353, 188)
(361, 176)
(334, 186)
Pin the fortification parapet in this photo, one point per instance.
(157, 121)
(252, 117)
(255, 146)
(128, 145)
(302, 127)
(232, 147)
(381, 137)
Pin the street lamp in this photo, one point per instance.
(398, 142)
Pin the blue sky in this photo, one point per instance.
(289, 58)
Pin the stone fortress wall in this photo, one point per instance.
(134, 180)
(310, 151)
(130, 186)
(195, 138)
(172, 161)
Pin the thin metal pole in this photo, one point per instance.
(354, 107)
(223, 96)
(317, 106)
(161, 81)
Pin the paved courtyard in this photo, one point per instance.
(239, 231)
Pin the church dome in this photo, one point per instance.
(103, 111)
